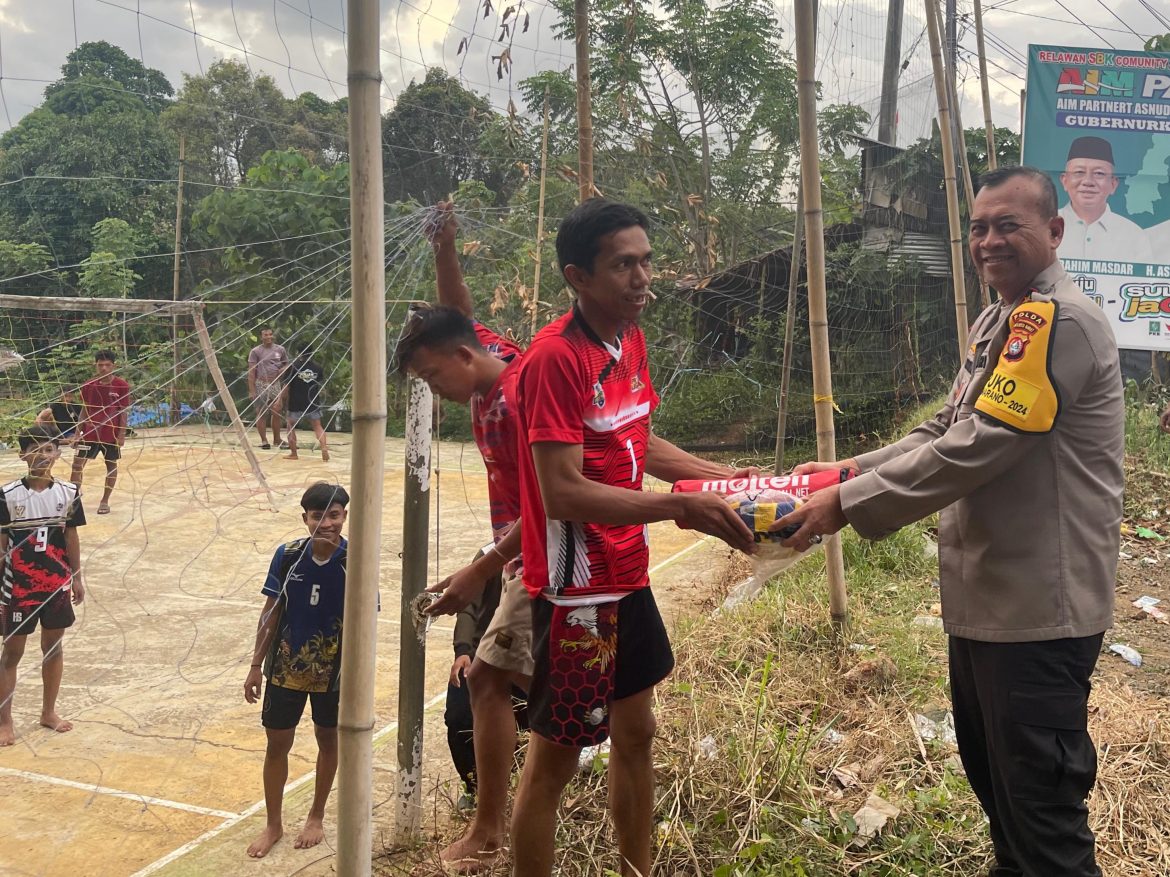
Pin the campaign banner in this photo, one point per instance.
(1098, 121)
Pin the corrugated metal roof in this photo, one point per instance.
(931, 251)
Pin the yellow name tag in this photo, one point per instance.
(1020, 392)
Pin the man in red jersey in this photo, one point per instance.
(599, 643)
(106, 400)
(464, 361)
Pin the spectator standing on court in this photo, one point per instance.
(106, 403)
(62, 416)
(298, 650)
(267, 363)
(302, 401)
(40, 561)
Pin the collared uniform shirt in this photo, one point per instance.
(1029, 527)
(1111, 238)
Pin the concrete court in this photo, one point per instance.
(161, 774)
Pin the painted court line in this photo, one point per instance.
(237, 818)
(115, 793)
(678, 555)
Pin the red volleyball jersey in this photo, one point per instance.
(578, 390)
(496, 432)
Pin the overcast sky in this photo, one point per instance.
(301, 44)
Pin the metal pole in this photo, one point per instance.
(888, 114)
(355, 727)
(412, 660)
(818, 314)
(540, 214)
(584, 103)
(948, 159)
(175, 281)
(789, 326)
(229, 403)
(982, 49)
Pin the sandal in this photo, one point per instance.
(266, 447)
(103, 508)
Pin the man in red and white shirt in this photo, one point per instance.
(464, 361)
(106, 401)
(599, 643)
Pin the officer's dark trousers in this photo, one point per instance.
(1020, 717)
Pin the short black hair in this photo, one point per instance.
(321, 495)
(580, 234)
(105, 356)
(1047, 202)
(434, 327)
(265, 328)
(37, 435)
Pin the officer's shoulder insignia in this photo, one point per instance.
(1020, 392)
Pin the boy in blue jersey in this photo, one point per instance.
(298, 651)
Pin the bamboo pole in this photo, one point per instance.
(584, 102)
(818, 313)
(412, 660)
(965, 161)
(982, 49)
(107, 305)
(175, 281)
(948, 158)
(540, 214)
(355, 728)
(789, 325)
(229, 403)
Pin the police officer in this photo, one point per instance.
(1024, 462)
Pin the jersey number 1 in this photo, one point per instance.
(633, 460)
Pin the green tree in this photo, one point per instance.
(97, 72)
(230, 118)
(90, 152)
(439, 134)
(1159, 43)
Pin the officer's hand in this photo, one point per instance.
(252, 685)
(1164, 421)
(820, 515)
(458, 591)
(459, 670)
(817, 466)
(710, 513)
(78, 588)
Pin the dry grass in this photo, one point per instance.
(771, 685)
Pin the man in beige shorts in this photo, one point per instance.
(464, 361)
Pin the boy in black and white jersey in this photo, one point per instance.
(41, 560)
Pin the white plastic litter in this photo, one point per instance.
(937, 726)
(1130, 654)
(590, 754)
(1144, 601)
(708, 748)
(833, 737)
(927, 621)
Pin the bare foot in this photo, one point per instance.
(292, 457)
(7, 735)
(54, 722)
(470, 854)
(311, 835)
(265, 841)
(324, 456)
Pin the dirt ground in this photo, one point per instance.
(161, 774)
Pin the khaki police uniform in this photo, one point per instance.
(1025, 463)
